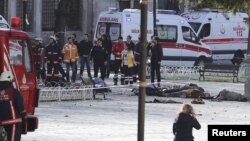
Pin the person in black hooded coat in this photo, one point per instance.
(184, 124)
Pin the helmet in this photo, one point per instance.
(6, 76)
(52, 37)
(39, 39)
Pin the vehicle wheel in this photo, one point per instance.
(200, 62)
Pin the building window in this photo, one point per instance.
(48, 14)
(30, 15)
(125, 4)
(4, 8)
(73, 16)
(1, 7)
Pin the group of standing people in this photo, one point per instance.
(126, 58)
(54, 54)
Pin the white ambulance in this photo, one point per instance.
(224, 32)
(181, 46)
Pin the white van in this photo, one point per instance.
(180, 43)
(224, 32)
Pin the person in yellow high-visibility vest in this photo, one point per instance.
(128, 62)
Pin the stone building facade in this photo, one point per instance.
(83, 15)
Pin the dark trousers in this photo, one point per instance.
(14, 130)
(52, 71)
(61, 70)
(73, 67)
(117, 67)
(155, 67)
(99, 66)
(127, 74)
(108, 67)
(83, 61)
(40, 73)
(136, 72)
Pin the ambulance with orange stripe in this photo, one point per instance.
(181, 46)
(224, 32)
(16, 57)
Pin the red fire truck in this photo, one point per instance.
(16, 57)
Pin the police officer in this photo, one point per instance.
(39, 54)
(11, 107)
(99, 56)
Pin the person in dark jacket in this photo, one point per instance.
(107, 44)
(130, 43)
(184, 124)
(156, 57)
(53, 56)
(137, 56)
(73, 36)
(60, 46)
(39, 54)
(84, 49)
(99, 57)
(11, 107)
(238, 57)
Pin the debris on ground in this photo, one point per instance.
(163, 101)
(197, 101)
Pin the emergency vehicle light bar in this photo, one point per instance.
(132, 10)
(16, 22)
(113, 9)
(160, 11)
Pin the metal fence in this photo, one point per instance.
(79, 91)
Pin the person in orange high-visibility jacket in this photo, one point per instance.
(70, 52)
(11, 107)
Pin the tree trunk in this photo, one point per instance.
(247, 70)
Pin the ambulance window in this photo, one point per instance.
(101, 29)
(205, 31)
(3, 25)
(195, 26)
(27, 58)
(114, 31)
(189, 35)
(16, 53)
(167, 33)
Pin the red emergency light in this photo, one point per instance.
(16, 22)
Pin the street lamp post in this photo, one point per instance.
(142, 72)
(154, 17)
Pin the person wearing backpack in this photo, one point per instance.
(11, 107)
